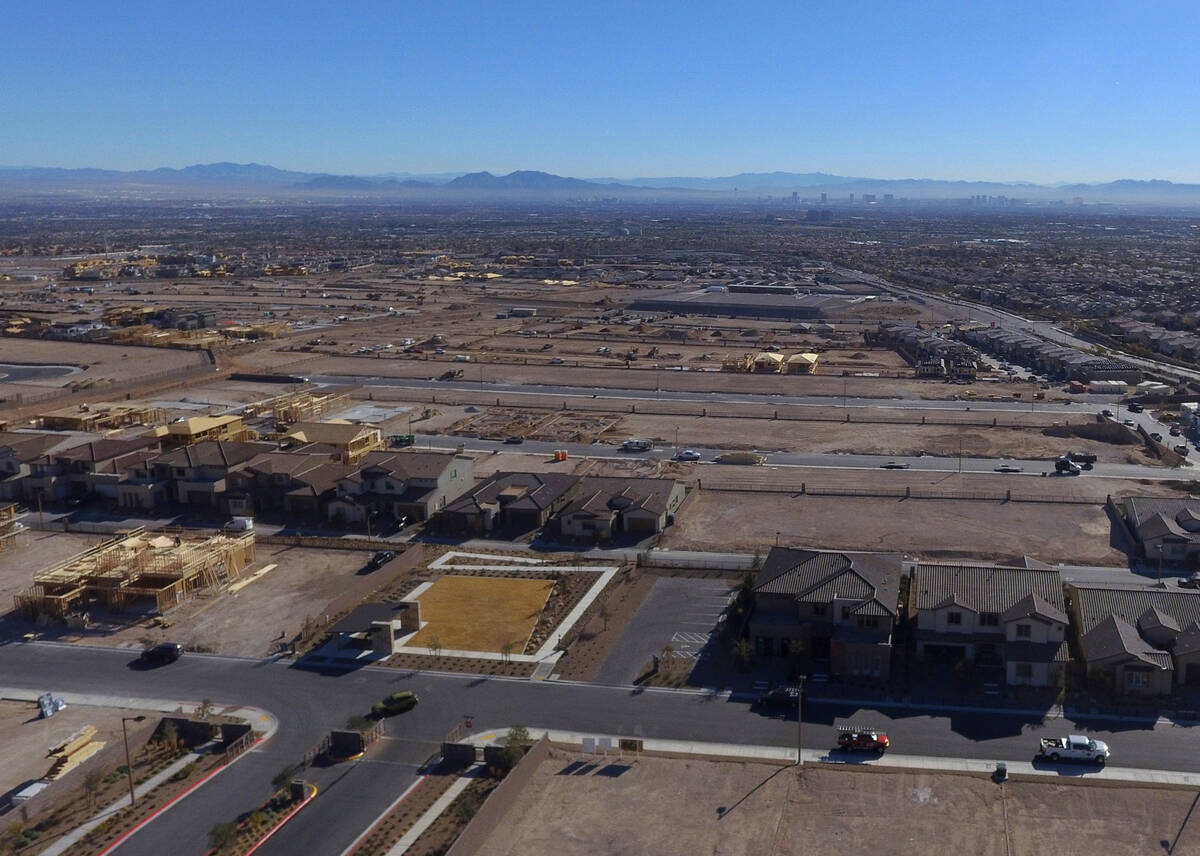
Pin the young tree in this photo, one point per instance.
(92, 780)
(605, 614)
(435, 647)
(516, 743)
(743, 652)
(283, 778)
(506, 650)
(667, 658)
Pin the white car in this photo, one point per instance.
(688, 455)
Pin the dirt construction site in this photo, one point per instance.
(685, 807)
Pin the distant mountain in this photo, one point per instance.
(232, 180)
(529, 180)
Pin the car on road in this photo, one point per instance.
(1129, 423)
(784, 698)
(1135, 408)
(1174, 432)
(1156, 437)
(1075, 747)
(557, 361)
(863, 740)
(1108, 413)
(400, 702)
(636, 445)
(514, 440)
(893, 465)
(688, 455)
(1192, 582)
(381, 558)
(160, 655)
(1008, 468)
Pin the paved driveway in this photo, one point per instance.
(678, 612)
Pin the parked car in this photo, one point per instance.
(1076, 747)
(780, 697)
(514, 440)
(400, 702)
(381, 558)
(1174, 432)
(1135, 408)
(893, 465)
(1108, 413)
(160, 655)
(688, 455)
(863, 740)
(1192, 582)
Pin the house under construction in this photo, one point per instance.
(159, 570)
(298, 406)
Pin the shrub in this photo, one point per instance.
(184, 771)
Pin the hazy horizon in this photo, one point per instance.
(1067, 94)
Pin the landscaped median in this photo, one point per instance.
(245, 835)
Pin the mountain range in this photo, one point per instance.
(232, 179)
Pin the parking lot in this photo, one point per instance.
(678, 612)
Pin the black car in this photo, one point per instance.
(780, 697)
(1135, 408)
(514, 440)
(160, 655)
(1192, 582)
(381, 558)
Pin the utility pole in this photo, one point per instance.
(128, 763)
(960, 442)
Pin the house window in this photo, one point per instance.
(954, 618)
(1137, 680)
(1025, 670)
(1024, 631)
(819, 610)
(989, 619)
(845, 612)
(388, 486)
(869, 622)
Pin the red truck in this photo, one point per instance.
(863, 740)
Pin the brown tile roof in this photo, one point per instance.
(816, 576)
(986, 588)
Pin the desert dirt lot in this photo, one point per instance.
(742, 521)
(686, 807)
(480, 613)
(250, 621)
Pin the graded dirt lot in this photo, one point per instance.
(685, 807)
(480, 613)
(26, 739)
(992, 529)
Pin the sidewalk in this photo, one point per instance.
(71, 838)
(917, 762)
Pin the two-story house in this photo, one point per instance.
(199, 474)
(1008, 617)
(95, 468)
(828, 608)
(297, 484)
(409, 484)
(18, 452)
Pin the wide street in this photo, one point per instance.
(307, 704)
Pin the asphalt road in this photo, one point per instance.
(926, 463)
(307, 704)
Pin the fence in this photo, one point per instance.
(101, 387)
(652, 559)
(476, 838)
(327, 542)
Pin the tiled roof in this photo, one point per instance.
(1115, 637)
(1035, 605)
(1096, 601)
(818, 577)
(986, 588)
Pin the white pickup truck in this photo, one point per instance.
(1075, 747)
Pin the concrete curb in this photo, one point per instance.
(778, 754)
(312, 795)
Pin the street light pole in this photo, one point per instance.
(800, 722)
(128, 762)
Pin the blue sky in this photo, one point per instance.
(976, 89)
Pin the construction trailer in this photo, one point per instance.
(158, 570)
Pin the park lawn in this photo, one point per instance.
(480, 613)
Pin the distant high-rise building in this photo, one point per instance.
(887, 197)
(795, 197)
(824, 198)
(851, 198)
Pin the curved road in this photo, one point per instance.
(307, 704)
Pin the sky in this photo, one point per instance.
(999, 90)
